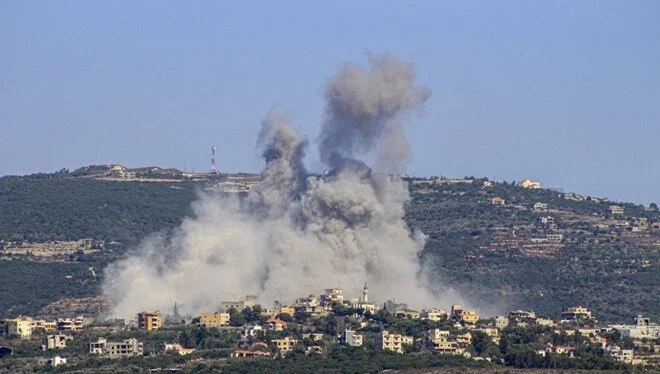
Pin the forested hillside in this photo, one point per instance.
(511, 255)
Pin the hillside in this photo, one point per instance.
(574, 251)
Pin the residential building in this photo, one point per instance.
(519, 315)
(440, 341)
(497, 201)
(352, 339)
(554, 238)
(470, 316)
(251, 331)
(545, 322)
(57, 341)
(501, 322)
(288, 309)
(642, 328)
(178, 348)
(275, 324)
(529, 184)
(623, 355)
(464, 339)
(21, 326)
(616, 209)
(286, 344)
(540, 207)
(246, 353)
(407, 313)
(70, 324)
(333, 295)
(392, 342)
(434, 314)
(575, 313)
(214, 319)
(493, 334)
(56, 361)
(315, 337)
(149, 321)
(126, 348)
(237, 305)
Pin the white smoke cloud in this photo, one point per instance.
(298, 233)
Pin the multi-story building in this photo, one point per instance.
(435, 315)
(149, 321)
(70, 324)
(57, 341)
(575, 313)
(642, 328)
(237, 305)
(21, 326)
(286, 344)
(616, 209)
(470, 316)
(352, 339)
(392, 342)
(126, 348)
(275, 324)
(493, 334)
(214, 319)
(464, 339)
(520, 315)
(333, 295)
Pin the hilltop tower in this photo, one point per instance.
(365, 293)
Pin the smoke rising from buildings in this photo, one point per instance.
(297, 233)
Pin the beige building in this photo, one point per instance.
(529, 184)
(21, 326)
(497, 201)
(178, 348)
(501, 322)
(57, 341)
(286, 344)
(214, 319)
(149, 321)
(464, 339)
(392, 342)
(435, 315)
(493, 334)
(470, 316)
(576, 312)
(441, 342)
(616, 209)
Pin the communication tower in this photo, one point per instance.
(213, 168)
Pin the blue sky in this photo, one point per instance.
(565, 92)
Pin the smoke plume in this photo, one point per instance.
(297, 233)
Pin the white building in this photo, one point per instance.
(352, 339)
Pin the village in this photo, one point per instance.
(313, 326)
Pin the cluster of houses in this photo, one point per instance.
(454, 339)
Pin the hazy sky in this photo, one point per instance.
(566, 92)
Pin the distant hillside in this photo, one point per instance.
(574, 251)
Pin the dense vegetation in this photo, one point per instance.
(616, 277)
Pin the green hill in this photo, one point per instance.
(496, 254)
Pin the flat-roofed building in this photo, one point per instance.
(57, 341)
(214, 319)
(392, 342)
(149, 321)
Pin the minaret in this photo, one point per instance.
(365, 293)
